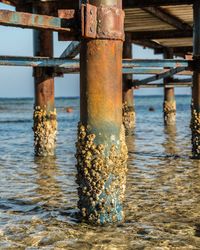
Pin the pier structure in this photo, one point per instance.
(96, 29)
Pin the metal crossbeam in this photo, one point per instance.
(162, 75)
(135, 71)
(149, 71)
(34, 21)
(186, 80)
(142, 71)
(161, 85)
(39, 62)
(172, 63)
(72, 50)
(74, 63)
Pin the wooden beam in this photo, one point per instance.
(176, 50)
(148, 43)
(168, 18)
(149, 35)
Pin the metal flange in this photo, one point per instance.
(102, 22)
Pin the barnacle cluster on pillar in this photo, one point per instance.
(195, 107)
(45, 125)
(101, 149)
(169, 109)
(128, 113)
(45, 130)
(101, 177)
(195, 128)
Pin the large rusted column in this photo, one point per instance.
(101, 149)
(169, 105)
(128, 103)
(195, 114)
(45, 124)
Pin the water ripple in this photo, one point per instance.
(38, 197)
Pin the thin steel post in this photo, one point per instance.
(101, 149)
(45, 124)
(128, 99)
(169, 104)
(195, 120)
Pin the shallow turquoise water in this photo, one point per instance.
(38, 196)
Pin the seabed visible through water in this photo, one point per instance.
(38, 197)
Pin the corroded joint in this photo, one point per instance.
(101, 178)
(45, 130)
(169, 109)
(195, 128)
(47, 72)
(102, 22)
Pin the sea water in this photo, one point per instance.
(38, 197)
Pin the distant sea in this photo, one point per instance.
(38, 197)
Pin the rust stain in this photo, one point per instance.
(103, 80)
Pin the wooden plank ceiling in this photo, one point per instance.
(169, 26)
(156, 24)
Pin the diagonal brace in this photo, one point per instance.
(156, 77)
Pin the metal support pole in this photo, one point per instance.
(128, 99)
(195, 116)
(169, 104)
(45, 124)
(101, 149)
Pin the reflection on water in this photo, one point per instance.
(38, 196)
(170, 140)
(48, 189)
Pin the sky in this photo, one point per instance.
(18, 81)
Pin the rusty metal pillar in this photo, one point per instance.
(45, 124)
(169, 105)
(101, 149)
(128, 99)
(195, 112)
